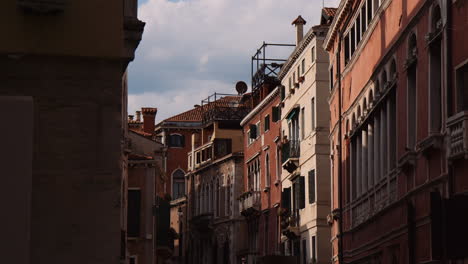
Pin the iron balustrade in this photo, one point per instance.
(290, 149)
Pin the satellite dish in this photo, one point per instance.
(241, 87)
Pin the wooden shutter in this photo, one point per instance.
(312, 186)
(182, 140)
(301, 200)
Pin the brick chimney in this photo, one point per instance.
(138, 116)
(299, 22)
(149, 114)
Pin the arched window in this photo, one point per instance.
(267, 170)
(353, 121)
(384, 79)
(371, 97)
(364, 104)
(436, 22)
(176, 140)
(178, 184)
(411, 92)
(359, 112)
(435, 76)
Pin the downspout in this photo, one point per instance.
(449, 82)
(340, 177)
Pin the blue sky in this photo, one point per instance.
(193, 48)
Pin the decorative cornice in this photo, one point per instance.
(344, 4)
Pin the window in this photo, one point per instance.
(311, 186)
(412, 94)
(331, 77)
(369, 11)
(462, 87)
(353, 40)
(314, 250)
(304, 251)
(303, 66)
(267, 171)
(294, 78)
(312, 108)
(363, 18)
(289, 84)
(176, 140)
(133, 212)
(298, 72)
(358, 30)
(178, 184)
(313, 54)
(275, 111)
(266, 123)
(347, 49)
(133, 260)
(302, 123)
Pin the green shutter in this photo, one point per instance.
(312, 186)
(286, 198)
(301, 202)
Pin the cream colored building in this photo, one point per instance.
(305, 177)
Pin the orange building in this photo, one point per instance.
(398, 131)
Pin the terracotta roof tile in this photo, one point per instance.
(330, 11)
(140, 132)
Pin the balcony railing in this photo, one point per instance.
(290, 150)
(458, 132)
(249, 203)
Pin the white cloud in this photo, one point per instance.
(191, 48)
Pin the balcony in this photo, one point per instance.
(250, 203)
(211, 151)
(290, 152)
(458, 133)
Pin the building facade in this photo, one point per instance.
(261, 196)
(215, 170)
(67, 83)
(398, 73)
(176, 134)
(147, 213)
(305, 174)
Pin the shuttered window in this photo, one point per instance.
(275, 113)
(301, 192)
(286, 198)
(311, 186)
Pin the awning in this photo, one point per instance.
(293, 113)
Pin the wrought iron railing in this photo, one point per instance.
(290, 149)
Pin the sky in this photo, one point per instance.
(193, 48)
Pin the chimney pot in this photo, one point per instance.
(299, 22)
(130, 117)
(138, 116)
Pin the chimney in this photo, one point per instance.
(138, 116)
(299, 23)
(149, 114)
(130, 117)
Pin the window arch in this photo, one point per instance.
(371, 97)
(178, 184)
(384, 79)
(436, 19)
(364, 104)
(353, 121)
(412, 45)
(359, 112)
